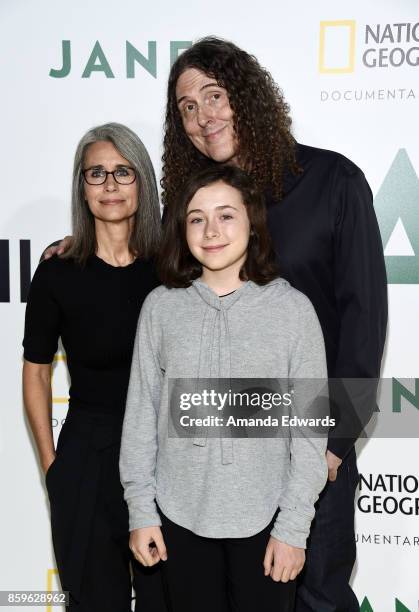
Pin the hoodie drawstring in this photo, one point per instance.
(218, 368)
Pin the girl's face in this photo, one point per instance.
(218, 228)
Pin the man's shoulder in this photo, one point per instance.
(312, 158)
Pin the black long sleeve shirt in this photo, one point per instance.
(95, 310)
(326, 237)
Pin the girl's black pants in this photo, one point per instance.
(220, 575)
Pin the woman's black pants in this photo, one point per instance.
(89, 520)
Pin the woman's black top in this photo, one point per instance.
(94, 308)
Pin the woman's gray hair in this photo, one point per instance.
(145, 237)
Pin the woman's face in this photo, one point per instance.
(218, 228)
(109, 202)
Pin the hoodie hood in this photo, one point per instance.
(247, 290)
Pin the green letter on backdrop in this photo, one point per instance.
(103, 66)
(66, 67)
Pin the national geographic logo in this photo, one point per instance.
(337, 46)
(397, 208)
(346, 46)
(381, 46)
(394, 494)
(98, 61)
(391, 45)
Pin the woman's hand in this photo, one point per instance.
(283, 562)
(59, 248)
(147, 545)
(47, 462)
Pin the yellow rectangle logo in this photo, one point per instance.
(337, 46)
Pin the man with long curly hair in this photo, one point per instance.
(223, 107)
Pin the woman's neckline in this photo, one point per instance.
(108, 265)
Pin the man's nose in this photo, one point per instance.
(205, 114)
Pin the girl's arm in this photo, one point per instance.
(285, 554)
(139, 442)
(38, 405)
(139, 435)
(308, 467)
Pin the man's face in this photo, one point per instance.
(207, 115)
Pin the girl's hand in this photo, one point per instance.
(147, 545)
(283, 562)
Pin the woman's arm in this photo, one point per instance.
(38, 405)
(42, 330)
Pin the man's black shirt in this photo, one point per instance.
(326, 237)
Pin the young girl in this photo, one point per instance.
(229, 517)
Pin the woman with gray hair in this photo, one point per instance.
(91, 298)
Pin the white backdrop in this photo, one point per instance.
(318, 53)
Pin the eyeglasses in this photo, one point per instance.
(123, 175)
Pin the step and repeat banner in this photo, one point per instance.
(350, 72)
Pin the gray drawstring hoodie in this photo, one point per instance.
(221, 487)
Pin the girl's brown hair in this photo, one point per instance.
(178, 267)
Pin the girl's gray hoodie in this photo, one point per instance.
(221, 487)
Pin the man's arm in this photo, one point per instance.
(57, 248)
(361, 296)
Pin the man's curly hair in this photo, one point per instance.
(261, 119)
